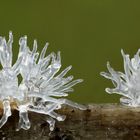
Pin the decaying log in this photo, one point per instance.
(98, 122)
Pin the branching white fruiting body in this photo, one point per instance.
(126, 84)
(39, 86)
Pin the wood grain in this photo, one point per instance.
(98, 122)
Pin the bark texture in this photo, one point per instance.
(98, 122)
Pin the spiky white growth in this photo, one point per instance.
(126, 84)
(39, 86)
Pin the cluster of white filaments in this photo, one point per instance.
(126, 84)
(40, 89)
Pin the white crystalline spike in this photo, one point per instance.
(44, 63)
(10, 36)
(64, 72)
(56, 84)
(51, 122)
(58, 57)
(2, 52)
(126, 65)
(125, 101)
(110, 91)
(23, 46)
(53, 57)
(23, 118)
(1, 41)
(61, 89)
(71, 84)
(9, 44)
(106, 75)
(118, 91)
(56, 61)
(34, 53)
(57, 94)
(34, 47)
(6, 54)
(69, 90)
(114, 74)
(17, 65)
(23, 41)
(57, 116)
(35, 58)
(51, 108)
(73, 104)
(46, 97)
(6, 113)
(61, 82)
(110, 69)
(42, 55)
(10, 41)
(61, 118)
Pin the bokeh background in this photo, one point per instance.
(88, 32)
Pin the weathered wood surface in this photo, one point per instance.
(98, 122)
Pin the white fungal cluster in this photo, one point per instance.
(40, 89)
(126, 84)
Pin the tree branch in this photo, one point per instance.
(99, 122)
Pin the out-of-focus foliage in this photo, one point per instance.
(87, 32)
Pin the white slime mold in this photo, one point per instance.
(41, 87)
(126, 84)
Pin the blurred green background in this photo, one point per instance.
(87, 32)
